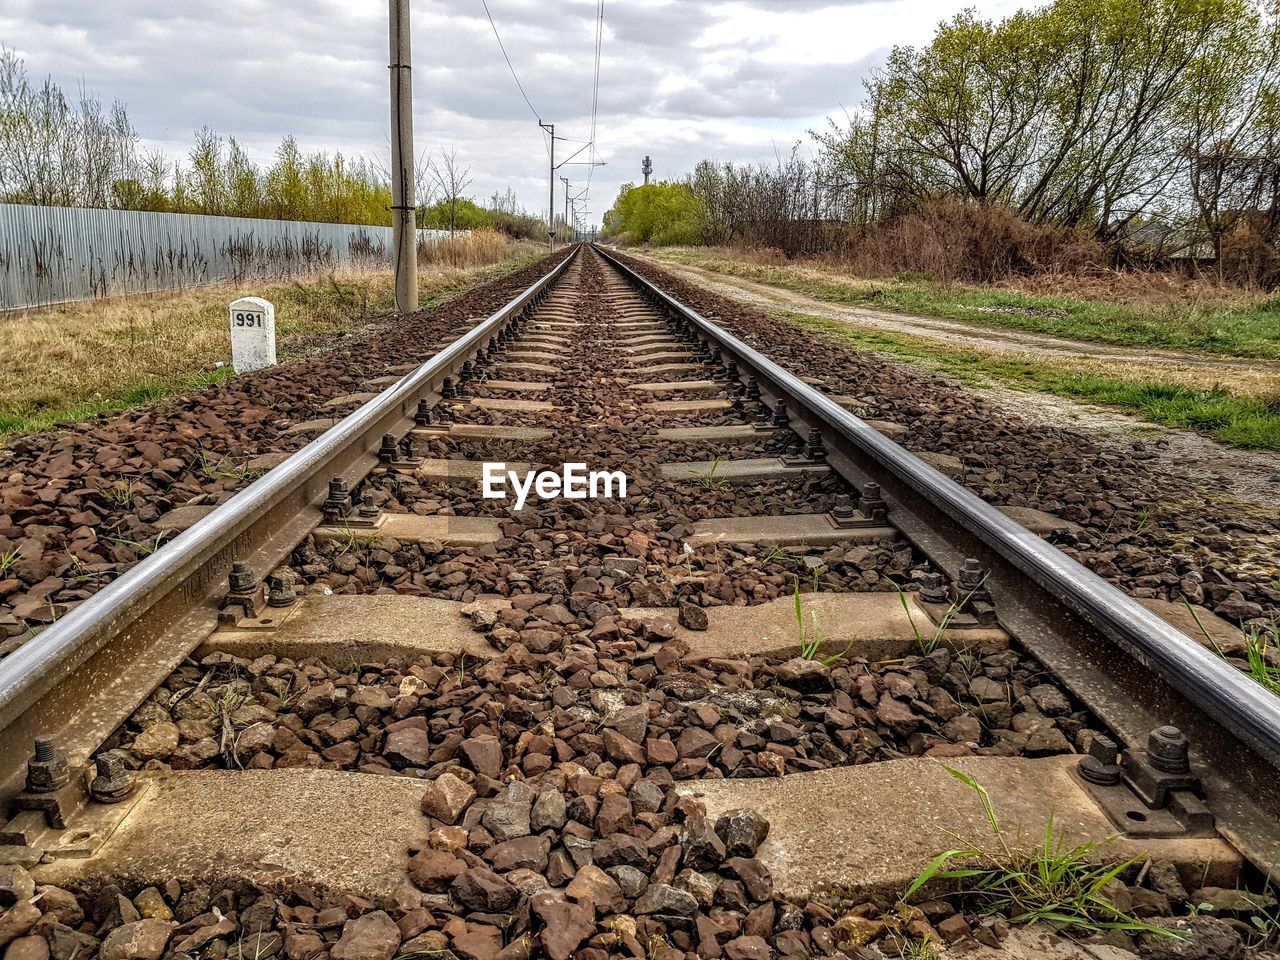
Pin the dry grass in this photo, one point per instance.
(477, 249)
(74, 360)
(1140, 288)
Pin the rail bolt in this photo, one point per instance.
(1100, 764)
(780, 418)
(388, 452)
(240, 579)
(1168, 750)
(47, 769)
(934, 588)
(338, 503)
(113, 781)
(422, 416)
(971, 577)
(843, 510)
(871, 503)
(368, 509)
(280, 593)
(813, 448)
(446, 389)
(753, 388)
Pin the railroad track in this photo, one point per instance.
(787, 614)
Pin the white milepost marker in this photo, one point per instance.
(253, 334)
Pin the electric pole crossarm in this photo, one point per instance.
(572, 155)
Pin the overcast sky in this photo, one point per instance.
(680, 79)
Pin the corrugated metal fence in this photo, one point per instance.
(55, 254)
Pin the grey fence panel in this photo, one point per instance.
(55, 254)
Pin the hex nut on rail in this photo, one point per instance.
(113, 782)
(47, 770)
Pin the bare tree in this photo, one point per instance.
(451, 179)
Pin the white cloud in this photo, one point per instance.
(680, 79)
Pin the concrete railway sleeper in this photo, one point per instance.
(363, 709)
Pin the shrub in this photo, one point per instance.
(952, 239)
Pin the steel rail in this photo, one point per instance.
(81, 677)
(1061, 611)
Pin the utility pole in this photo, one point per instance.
(571, 205)
(565, 181)
(551, 187)
(646, 168)
(404, 227)
(568, 161)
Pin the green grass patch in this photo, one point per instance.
(1070, 885)
(11, 423)
(1240, 421)
(1246, 327)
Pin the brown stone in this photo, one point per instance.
(433, 871)
(409, 746)
(483, 890)
(446, 797)
(622, 749)
(139, 940)
(528, 853)
(565, 924)
(747, 948)
(693, 617)
(742, 832)
(484, 755)
(591, 885)
(753, 874)
(703, 849)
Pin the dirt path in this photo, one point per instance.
(957, 333)
(1251, 476)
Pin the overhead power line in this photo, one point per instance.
(502, 47)
(595, 88)
(520, 86)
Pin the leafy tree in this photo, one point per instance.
(1082, 112)
(464, 214)
(662, 213)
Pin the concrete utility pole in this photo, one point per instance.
(551, 187)
(646, 168)
(565, 181)
(404, 228)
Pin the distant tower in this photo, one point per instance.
(646, 168)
